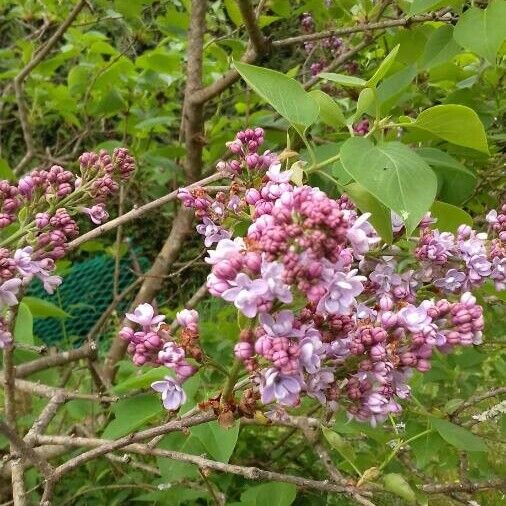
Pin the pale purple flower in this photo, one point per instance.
(397, 222)
(246, 294)
(276, 175)
(144, 314)
(311, 351)
(492, 217)
(280, 325)
(24, 263)
(283, 388)
(97, 213)
(473, 246)
(234, 204)
(173, 395)
(224, 249)
(171, 354)
(362, 235)
(317, 383)
(50, 283)
(272, 274)
(8, 291)
(453, 281)
(212, 232)
(5, 338)
(187, 317)
(413, 318)
(498, 273)
(341, 293)
(479, 267)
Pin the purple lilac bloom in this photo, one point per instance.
(224, 249)
(283, 388)
(415, 319)
(246, 294)
(276, 175)
(144, 315)
(97, 213)
(212, 232)
(8, 291)
(5, 338)
(453, 281)
(279, 326)
(311, 351)
(341, 293)
(362, 235)
(173, 395)
(272, 274)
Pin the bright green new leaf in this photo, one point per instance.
(383, 68)
(23, 328)
(449, 217)
(458, 436)
(338, 443)
(272, 494)
(343, 79)
(286, 95)
(368, 203)
(483, 31)
(397, 484)
(41, 308)
(455, 181)
(330, 112)
(233, 11)
(454, 123)
(398, 177)
(218, 441)
(132, 413)
(419, 6)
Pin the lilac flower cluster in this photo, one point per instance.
(335, 314)
(153, 345)
(43, 204)
(324, 49)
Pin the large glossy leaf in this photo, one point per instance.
(330, 112)
(449, 217)
(286, 95)
(394, 174)
(419, 6)
(218, 441)
(440, 48)
(368, 203)
(455, 181)
(482, 31)
(454, 123)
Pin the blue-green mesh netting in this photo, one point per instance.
(86, 292)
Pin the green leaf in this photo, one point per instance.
(449, 217)
(394, 174)
(5, 170)
(454, 123)
(419, 6)
(286, 95)
(383, 68)
(343, 79)
(456, 182)
(367, 203)
(483, 31)
(141, 381)
(338, 443)
(272, 494)
(41, 308)
(218, 442)
(233, 12)
(23, 328)
(365, 102)
(440, 48)
(458, 436)
(132, 413)
(330, 112)
(397, 484)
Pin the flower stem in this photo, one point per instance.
(228, 388)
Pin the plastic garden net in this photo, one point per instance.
(85, 294)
